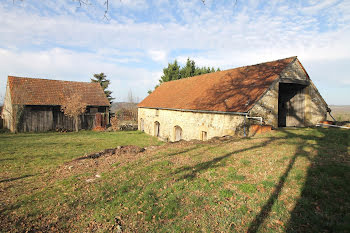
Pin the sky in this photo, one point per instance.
(65, 41)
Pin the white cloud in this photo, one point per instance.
(72, 43)
(63, 64)
(158, 55)
(316, 6)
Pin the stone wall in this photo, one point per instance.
(194, 125)
(294, 71)
(267, 106)
(315, 107)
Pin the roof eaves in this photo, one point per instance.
(199, 111)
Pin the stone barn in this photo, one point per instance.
(278, 93)
(34, 105)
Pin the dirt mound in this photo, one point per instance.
(101, 161)
(114, 151)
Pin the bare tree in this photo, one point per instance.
(130, 98)
(2, 100)
(13, 111)
(106, 4)
(73, 107)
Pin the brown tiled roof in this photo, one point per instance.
(234, 90)
(34, 91)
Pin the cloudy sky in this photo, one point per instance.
(60, 40)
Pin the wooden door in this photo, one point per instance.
(142, 125)
(178, 133)
(156, 129)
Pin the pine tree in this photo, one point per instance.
(172, 72)
(189, 69)
(101, 79)
(175, 72)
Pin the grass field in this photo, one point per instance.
(290, 180)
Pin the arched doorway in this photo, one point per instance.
(142, 125)
(178, 133)
(156, 128)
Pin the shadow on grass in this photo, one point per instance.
(324, 203)
(201, 167)
(16, 178)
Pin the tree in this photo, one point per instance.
(12, 112)
(73, 107)
(101, 79)
(172, 72)
(189, 69)
(175, 72)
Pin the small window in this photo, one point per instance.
(204, 136)
(157, 112)
(93, 110)
(101, 109)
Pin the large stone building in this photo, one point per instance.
(33, 105)
(278, 93)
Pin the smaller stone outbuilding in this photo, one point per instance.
(34, 105)
(278, 93)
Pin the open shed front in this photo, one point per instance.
(291, 105)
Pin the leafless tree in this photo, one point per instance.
(73, 107)
(13, 110)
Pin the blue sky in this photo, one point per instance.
(60, 40)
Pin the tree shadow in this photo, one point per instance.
(324, 203)
(192, 171)
(16, 178)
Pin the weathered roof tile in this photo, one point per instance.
(234, 90)
(34, 91)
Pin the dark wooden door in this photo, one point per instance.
(291, 105)
(156, 129)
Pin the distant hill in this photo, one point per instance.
(340, 112)
(119, 105)
(340, 108)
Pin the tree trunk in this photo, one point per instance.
(76, 119)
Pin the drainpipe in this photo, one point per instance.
(244, 128)
(256, 118)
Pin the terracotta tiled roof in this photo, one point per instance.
(34, 91)
(234, 90)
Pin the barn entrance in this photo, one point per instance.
(291, 105)
(178, 133)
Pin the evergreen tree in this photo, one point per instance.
(189, 69)
(175, 72)
(101, 79)
(172, 72)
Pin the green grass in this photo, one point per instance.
(30, 154)
(291, 180)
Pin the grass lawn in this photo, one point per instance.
(290, 180)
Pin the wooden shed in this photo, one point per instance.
(34, 105)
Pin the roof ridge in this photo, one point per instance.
(264, 62)
(235, 68)
(58, 80)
